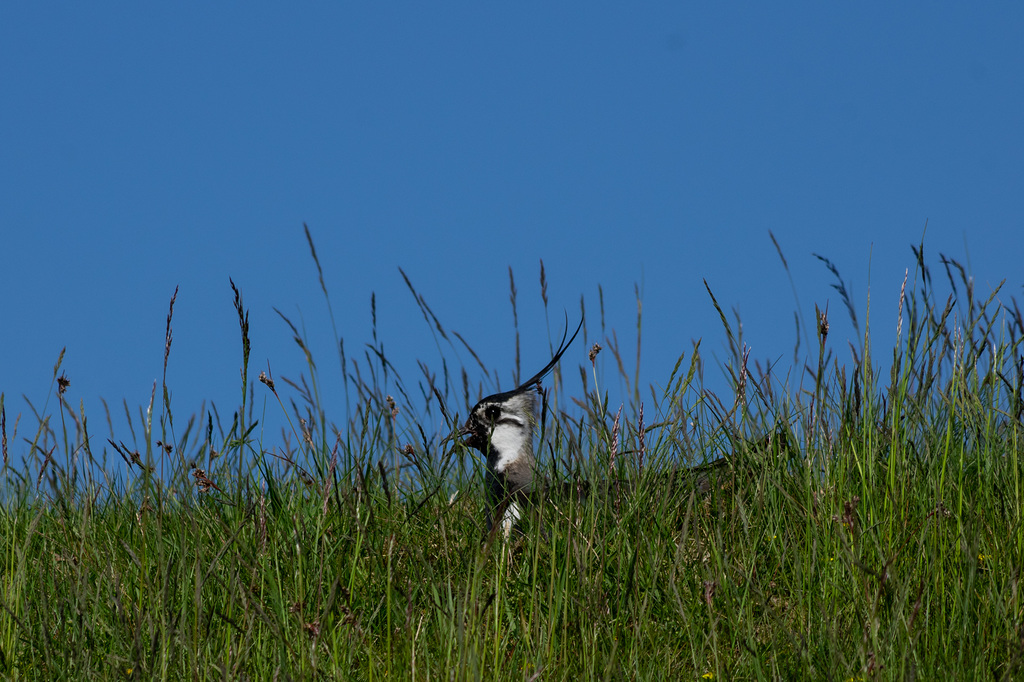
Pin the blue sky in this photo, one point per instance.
(648, 145)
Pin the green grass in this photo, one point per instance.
(869, 525)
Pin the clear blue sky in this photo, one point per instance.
(656, 144)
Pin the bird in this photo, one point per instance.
(502, 426)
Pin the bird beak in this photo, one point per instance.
(468, 436)
(461, 435)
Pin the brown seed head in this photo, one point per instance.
(268, 381)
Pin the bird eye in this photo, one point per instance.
(492, 412)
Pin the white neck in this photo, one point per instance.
(511, 439)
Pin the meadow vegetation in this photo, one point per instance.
(868, 525)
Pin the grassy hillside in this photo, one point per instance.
(868, 526)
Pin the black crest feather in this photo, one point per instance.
(562, 347)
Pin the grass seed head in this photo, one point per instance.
(62, 383)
